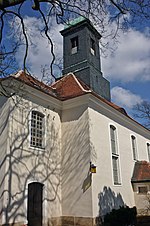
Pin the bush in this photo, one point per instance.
(124, 216)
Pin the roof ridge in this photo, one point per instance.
(80, 85)
(33, 79)
(61, 78)
(17, 74)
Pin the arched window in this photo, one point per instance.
(148, 151)
(113, 139)
(37, 129)
(115, 155)
(134, 147)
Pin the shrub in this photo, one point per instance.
(124, 216)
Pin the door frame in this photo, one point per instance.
(44, 214)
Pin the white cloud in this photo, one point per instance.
(124, 98)
(39, 53)
(131, 60)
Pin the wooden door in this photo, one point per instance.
(34, 206)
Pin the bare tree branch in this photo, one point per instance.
(142, 111)
(49, 39)
(102, 13)
(118, 7)
(25, 36)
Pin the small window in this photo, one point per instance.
(142, 190)
(37, 129)
(74, 45)
(134, 148)
(92, 47)
(148, 151)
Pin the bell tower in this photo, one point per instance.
(81, 55)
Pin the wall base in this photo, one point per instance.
(81, 221)
(72, 221)
(14, 224)
(65, 221)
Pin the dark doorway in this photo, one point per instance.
(34, 206)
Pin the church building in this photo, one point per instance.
(68, 155)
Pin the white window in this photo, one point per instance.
(37, 129)
(115, 156)
(148, 151)
(134, 148)
(74, 45)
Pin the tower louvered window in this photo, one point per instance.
(93, 47)
(74, 45)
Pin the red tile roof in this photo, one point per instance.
(70, 86)
(141, 172)
(67, 87)
(31, 81)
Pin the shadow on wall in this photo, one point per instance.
(19, 164)
(109, 200)
(76, 163)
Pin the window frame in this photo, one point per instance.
(134, 148)
(141, 192)
(148, 151)
(116, 171)
(113, 140)
(29, 181)
(115, 156)
(42, 146)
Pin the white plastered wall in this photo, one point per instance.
(4, 116)
(106, 195)
(75, 159)
(85, 132)
(25, 164)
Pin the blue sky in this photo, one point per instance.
(127, 68)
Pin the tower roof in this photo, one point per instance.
(77, 23)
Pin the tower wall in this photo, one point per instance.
(82, 56)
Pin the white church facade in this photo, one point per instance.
(68, 155)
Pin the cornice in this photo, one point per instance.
(76, 102)
(114, 112)
(46, 98)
